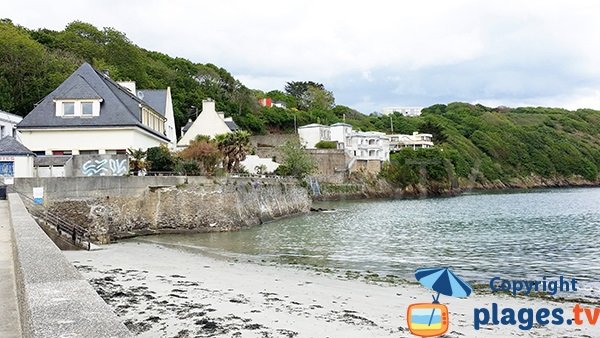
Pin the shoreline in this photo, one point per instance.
(398, 194)
(165, 291)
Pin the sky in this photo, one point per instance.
(371, 54)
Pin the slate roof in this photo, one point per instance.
(232, 126)
(187, 126)
(119, 107)
(9, 146)
(155, 98)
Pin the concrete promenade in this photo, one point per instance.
(10, 326)
(54, 299)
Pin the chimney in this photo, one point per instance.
(208, 105)
(105, 72)
(129, 85)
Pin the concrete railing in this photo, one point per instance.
(54, 299)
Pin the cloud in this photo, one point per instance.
(370, 54)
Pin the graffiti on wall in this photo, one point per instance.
(105, 167)
(7, 169)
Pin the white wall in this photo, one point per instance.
(170, 124)
(7, 123)
(89, 139)
(55, 171)
(253, 161)
(23, 166)
(309, 136)
(208, 123)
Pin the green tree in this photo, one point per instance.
(160, 158)
(295, 161)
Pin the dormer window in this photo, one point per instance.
(68, 108)
(87, 108)
(78, 108)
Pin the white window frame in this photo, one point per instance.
(82, 103)
(64, 105)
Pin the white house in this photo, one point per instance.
(8, 124)
(161, 101)
(91, 114)
(406, 111)
(313, 133)
(254, 163)
(209, 123)
(415, 141)
(15, 159)
(370, 145)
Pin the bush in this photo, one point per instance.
(326, 145)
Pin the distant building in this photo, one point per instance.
(8, 124)
(89, 113)
(370, 145)
(414, 141)
(268, 102)
(406, 111)
(209, 123)
(265, 102)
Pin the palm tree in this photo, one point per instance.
(234, 147)
(137, 159)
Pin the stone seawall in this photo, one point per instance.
(199, 206)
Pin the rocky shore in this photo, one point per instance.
(375, 187)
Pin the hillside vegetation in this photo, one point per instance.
(477, 145)
(474, 144)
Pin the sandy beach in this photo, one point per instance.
(162, 291)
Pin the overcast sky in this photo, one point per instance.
(371, 54)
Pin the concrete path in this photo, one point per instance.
(9, 312)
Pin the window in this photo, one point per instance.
(87, 108)
(68, 108)
(62, 152)
(88, 152)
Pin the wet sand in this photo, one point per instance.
(162, 291)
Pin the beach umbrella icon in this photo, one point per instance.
(443, 281)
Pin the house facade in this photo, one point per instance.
(415, 141)
(15, 159)
(405, 111)
(369, 145)
(161, 101)
(89, 114)
(209, 123)
(8, 124)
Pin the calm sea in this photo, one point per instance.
(517, 235)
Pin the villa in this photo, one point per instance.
(89, 113)
(415, 141)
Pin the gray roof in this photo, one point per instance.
(9, 146)
(77, 88)
(187, 126)
(118, 108)
(54, 160)
(232, 126)
(155, 98)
